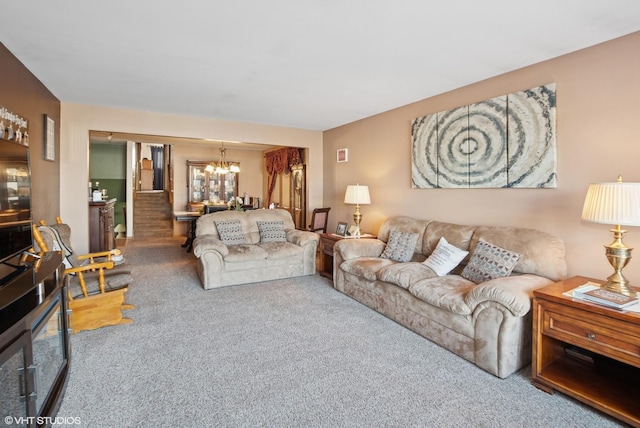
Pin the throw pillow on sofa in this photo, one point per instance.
(445, 257)
(272, 231)
(230, 232)
(488, 262)
(400, 246)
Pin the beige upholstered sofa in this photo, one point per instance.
(487, 323)
(238, 247)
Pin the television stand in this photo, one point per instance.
(34, 342)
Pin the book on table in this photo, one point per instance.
(593, 293)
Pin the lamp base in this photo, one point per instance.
(619, 284)
(357, 218)
(619, 256)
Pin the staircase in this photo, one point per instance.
(152, 215)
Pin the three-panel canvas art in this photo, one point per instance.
(508, 141)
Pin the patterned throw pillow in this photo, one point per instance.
(230, 232)
(488, 262)
(400, 246)
(272, 231)
(445, 257)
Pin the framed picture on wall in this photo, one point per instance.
(49, 138)
(343, 155)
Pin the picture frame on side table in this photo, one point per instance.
(49, 139)
(342, 155)
(341, 230)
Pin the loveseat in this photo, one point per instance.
(238, 247)
(486, 320)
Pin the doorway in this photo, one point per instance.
(108, 173)
(151, 166)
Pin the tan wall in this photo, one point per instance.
(23, 94)
(78, 119)
(598, 137)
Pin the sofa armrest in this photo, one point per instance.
(301, 237)
(514, 292)
(354, 248)
(208, 242)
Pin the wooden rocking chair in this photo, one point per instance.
(96, 290)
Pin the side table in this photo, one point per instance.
(192, 217)
(327, 241)
(587, 351)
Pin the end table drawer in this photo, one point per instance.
(593, 332)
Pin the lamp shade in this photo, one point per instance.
(615, 203)
(357, 194)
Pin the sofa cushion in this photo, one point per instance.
(366, 267)
(445, 257)
(230, 232)
(244, 253)
(272, 231)
(540, 253)
(401, 246)
(445, 292)
(280, 250)
(488, 262)
(455, 234)
(405, 274)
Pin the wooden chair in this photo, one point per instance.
(319, 219)
(96, 290)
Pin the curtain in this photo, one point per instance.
(158, 166)
(279, 162)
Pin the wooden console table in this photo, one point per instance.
(605, 373)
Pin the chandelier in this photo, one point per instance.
(222, 167)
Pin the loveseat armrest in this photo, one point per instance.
(513, 292)
(353, 248)
(208, 242)
(302, 237)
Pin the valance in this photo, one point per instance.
(281, 160)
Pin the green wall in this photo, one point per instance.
(107, 165)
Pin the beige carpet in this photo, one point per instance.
(286, 353)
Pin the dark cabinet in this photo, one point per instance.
(101, 234)
(204, 185)
(34, 343)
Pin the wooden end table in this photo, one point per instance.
(605, 372)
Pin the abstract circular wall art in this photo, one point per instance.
(507, 141)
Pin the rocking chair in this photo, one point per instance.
(96, 290)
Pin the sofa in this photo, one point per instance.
(486, 320)
(239, 247)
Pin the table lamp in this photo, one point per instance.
(616, 204)
(120, 230)
(358, 195)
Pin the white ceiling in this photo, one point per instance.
(312, 64)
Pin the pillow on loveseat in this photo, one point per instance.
(400, 246)
(230, 232)
(445, 258)
(272, 231)
(488, 262)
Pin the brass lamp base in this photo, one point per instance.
(619, 256)
(357, 218)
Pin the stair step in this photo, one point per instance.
(152, 215)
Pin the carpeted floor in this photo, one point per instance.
(286, 353)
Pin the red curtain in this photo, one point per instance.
(279, 162)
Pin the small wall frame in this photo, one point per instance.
(342, 155)
(49, 139)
